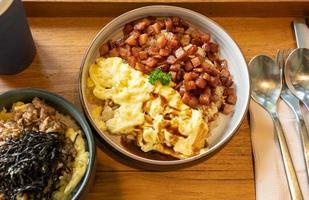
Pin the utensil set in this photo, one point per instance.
(294, 103)
(287, 78)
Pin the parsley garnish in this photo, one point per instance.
(157, 74)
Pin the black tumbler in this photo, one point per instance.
(17, 48)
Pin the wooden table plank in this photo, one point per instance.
(213, 8)
(61, 43)
(164, 1)
(171, 186)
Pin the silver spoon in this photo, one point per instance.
(297, 74)
(266, 86)
(294, 103)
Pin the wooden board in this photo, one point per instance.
(61, 43)
(214, 8)
(179, 1)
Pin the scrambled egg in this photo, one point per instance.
(79, 165)
(154, 114)
(4, 115)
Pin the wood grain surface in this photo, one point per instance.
(164, 1)
(214, 8)
(229, 174)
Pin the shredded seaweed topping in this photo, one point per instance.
(29, 165)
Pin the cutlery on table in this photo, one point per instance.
(293, 102)
(301, 29)
(297, 74)
(266, 86)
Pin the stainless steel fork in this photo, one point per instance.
(294, 103)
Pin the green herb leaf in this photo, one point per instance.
(158, 75)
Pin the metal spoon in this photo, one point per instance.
(265, 90)
(297, 74)
(294, 104)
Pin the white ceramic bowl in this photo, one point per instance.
(228, 50)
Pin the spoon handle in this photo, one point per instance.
(306, 102)
(305, 136)
(305, 140)
(293, 102)
(287, 161)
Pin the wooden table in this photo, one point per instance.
(61, 43)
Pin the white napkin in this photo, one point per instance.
(270, 179)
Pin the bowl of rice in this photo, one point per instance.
(164, 85)
(44, 135)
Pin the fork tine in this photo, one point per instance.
(288, 52)
(280, 63)
(278, 58)
(282, 59)
(285, 54)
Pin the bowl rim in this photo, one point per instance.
(211, 150)
(77, 116)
